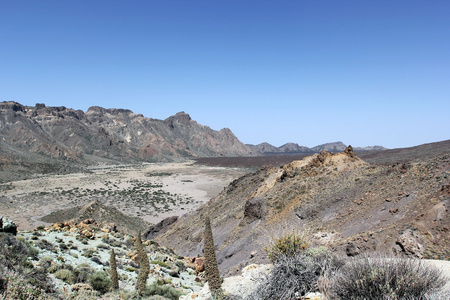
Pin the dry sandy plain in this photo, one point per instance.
(149, 191)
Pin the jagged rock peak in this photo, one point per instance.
(112, 111)
(7, 105)
(180, 117)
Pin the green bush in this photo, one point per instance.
(288, 244)
(160, 263)
(384, 278)
(100, 281)
(65, 275)
(166, 291)
(82, 272)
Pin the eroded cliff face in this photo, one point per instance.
(116, 134)
(345, 203)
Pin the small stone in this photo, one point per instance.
(393, 210)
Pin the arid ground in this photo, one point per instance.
(149, 191)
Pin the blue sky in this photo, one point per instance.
(309, 72)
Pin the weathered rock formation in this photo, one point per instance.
(117, 134)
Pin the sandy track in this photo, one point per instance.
(177, 187)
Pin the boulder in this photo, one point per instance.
(199, 264)
(253, 210)
(409, 243)
(349, 151)
(351, 250)
(8, 226)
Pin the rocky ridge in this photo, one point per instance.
(108, 134)
(345, 203)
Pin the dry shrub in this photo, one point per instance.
(294, 275)
(288, 244)
(383, 278)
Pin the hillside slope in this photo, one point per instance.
(346, 203)
(109, 134)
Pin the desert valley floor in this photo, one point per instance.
(149, 191)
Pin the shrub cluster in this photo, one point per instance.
(167, 291)
(383, 278)
(299, 270)
(296, 274)
(19, 279)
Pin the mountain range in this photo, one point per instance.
(122, 135)
(110, 134)
(293, 148)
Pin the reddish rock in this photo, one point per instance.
(200, 264)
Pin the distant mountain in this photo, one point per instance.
(290, 148)
(369, 148)
(264, 148)
(111, 134)
(330, 147)
(294, 148)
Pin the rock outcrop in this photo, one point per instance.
(159, 228)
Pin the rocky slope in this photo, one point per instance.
(83, 248)
(344, 202)
(108, 134)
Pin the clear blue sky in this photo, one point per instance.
(303, 71)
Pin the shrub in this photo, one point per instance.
(289, 244)
(294, 275)
(44, 244)
(82, 273)
(100, 281)
(89, 252)
(17, 287)
(384, 278)
(103, 246)
(65, 275)
(166, 291)
(160, 263)
(15, 250)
